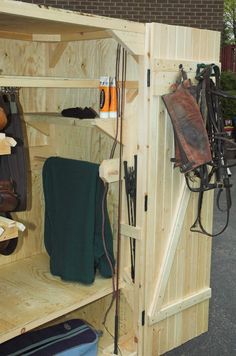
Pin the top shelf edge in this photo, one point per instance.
(55, 82)
(49, 15)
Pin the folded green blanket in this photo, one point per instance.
(73, 195)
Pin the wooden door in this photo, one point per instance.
(177, 261)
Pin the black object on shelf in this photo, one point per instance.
(79, 113)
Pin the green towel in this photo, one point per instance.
(73, 195)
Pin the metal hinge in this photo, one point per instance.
(148, 78)
(146, 202)
(143, 317)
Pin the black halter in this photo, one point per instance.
(213, 175)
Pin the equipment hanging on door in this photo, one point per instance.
(195, 112)
(131, 189)
(13, 171)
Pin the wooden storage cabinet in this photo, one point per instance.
(56, 57)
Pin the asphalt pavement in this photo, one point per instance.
(220, 340)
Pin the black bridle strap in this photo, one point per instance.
(214, 122)
(198, 226)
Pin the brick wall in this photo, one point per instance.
(196, 13)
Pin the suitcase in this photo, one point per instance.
(71, 338)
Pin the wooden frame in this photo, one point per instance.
(57, 60)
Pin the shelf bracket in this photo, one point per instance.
(131, 95)
(42, 127)
(56, 53)
(108, 126)
(132, 41)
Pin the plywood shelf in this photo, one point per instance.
(47, 82)
(29, 19)
(58, 119)
(31, 296)
(108, 126)
(54, 82)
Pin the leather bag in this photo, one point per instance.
(192, 148)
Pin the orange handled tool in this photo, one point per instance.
(113, 98)
(104, 97)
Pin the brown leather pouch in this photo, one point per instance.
(192, 148)
(8, 199)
